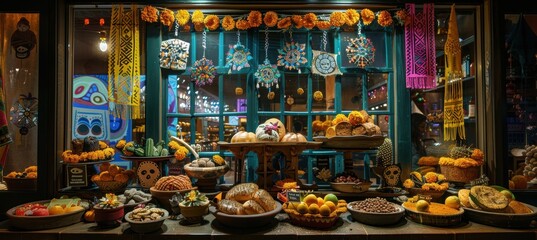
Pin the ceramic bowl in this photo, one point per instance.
(43, 222)
(376, 219)
(206, 172)
(245, 221)
(163, 197)
(106, 217)
(146, 226)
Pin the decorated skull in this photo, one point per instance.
(148, 173)
(392, 175)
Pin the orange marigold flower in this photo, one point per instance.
(167, 18)
(182, 17)
(270, 19)
(254, 19)
(309, 20)
(385, 18)
(242, 24)
(402, 17)
(284, 23)
(149, 14)
(323, 25)
(186, 28)
(352, 17)
(199, 27)
(212, 22)
(197, 17)
(297, 20)
(228, 23)
(367, 16)
(337, 19)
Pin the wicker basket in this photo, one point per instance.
(318, 222)
(462, 175)
(435, 195)
(14, 184)
(111, 186)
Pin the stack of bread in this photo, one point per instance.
(246, 199)
(356, 123)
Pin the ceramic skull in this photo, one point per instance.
(148, 173)
(392, 175)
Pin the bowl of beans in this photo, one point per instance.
(376, 211)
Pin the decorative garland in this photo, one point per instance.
(255, 19)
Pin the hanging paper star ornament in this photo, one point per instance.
(203, 72)
(267, 75)
(292, 56)
(324, 64)
(23, 113)
(238, 57)
(360, 51)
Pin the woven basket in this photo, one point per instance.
(435, 195)
(319, 222)
(462, 175)
(111, 186)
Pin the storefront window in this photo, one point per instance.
(19, 65)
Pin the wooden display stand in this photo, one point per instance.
(265, 151)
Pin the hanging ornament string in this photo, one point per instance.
(267, 74)
(203, 71)
(360, 50)
(324, 40)
(292, 55)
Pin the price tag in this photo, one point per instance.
(77, 176)
(483, 180)
(293, 196)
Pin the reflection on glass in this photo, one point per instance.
(351, 92)
(269, 99)
(377, 91)
(322, 101)
(235, 93)
(296, 92)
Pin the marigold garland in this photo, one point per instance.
(149, 14)
(337, 19)
(384, 18)
(167, 18)
(323, 25)
(254, 19)
(212, 22)
(199, 27)
(284, 23)
(297, 20)
(309, 20)
(402, 17)
(228, 23)
(182, 17)
(197, 17)
(270, 19)
(242, 24)
(367, 16)
(186, 28)
(352, 17)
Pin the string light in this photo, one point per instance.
(103, 46)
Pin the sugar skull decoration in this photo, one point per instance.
(267, 132)
(174, 54)
(392, 176)
(23, 113)
(148, 173)
(23, 40)
(292, 56)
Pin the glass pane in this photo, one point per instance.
(183, 128)
(520, 88)
(351, 92)
(179, 90)
(207, 129)
(275, 42)
(235, 93)
(297, 124)
(296, 92)
(19, 65)
(207, 98)
(269, 99)
(377, 91)
(321, 100)
(318, 43)
(211, 52)
(378, 40)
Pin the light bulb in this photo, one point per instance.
(103, 46)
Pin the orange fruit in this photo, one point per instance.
(56, 210)
(320, 201)
(331, 205)
(89, 216)
(310, 199)
(73, 209)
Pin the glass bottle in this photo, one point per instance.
(471, 108)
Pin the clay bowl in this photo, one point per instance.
(206, 172)
(163, 197)
(43, 222)
(377, 219)
(245, 221)
(107, 217)
(147, 226)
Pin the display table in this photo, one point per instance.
(265, 152)
(280, 229)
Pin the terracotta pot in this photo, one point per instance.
(194, 214)
(109, 216)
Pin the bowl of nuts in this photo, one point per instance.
(376, 211)
(147, 219)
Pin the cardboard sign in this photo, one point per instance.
(77, 176)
